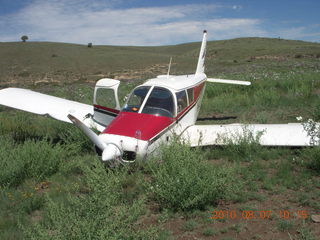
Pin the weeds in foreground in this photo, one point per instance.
(285, 225)
(99, 214)
(312, 155)
(243, 146)
(183, 181)
(311, 158)
(305, 234)
(28, 160)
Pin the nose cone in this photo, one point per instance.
(110, 152)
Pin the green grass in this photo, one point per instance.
(190, 225)
(29, 160)
(285, 225)
(99, 213)
(209, 232)
(184, 182)
(305, 234)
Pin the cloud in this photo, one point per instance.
(104, 22)
(309, 32)
(236, 7)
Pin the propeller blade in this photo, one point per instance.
(87, 131)
(217, 80)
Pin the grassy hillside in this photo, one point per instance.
(34, 62)
(53, 186)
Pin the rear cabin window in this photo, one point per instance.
(182, 101)
(190, 95)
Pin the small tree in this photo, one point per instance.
(89, 45)
(24, 38)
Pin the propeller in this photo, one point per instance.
(110, 151)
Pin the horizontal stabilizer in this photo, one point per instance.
(291, 134)
(217, 80)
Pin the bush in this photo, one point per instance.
(311, 158)
(243, 147)
(182, 181)
(74, 138)
(30, 159)
(24, 126)
(99, 214)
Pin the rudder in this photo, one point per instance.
(202, 55)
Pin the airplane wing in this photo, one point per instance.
(291, 134)
(42, 104)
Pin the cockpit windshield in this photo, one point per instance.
(136, 99)
(159, 103)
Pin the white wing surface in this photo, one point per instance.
(291, 134)
(237, 82)
(42, 104)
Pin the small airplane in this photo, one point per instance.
(155, 112)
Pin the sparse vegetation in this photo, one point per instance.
(285, 225)
(209, 232)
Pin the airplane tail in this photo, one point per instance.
(202, 55)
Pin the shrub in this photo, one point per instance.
(311, 157)
(243, 147)
(24, 126)
(182, 181)
(99, 214)
(76, 139)
(30, 159)
(12, 171)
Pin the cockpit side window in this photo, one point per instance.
(160, 103)
(136, 99)
(182, 101)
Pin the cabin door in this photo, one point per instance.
(105, 101)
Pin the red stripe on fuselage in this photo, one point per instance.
(107, 109)
(138, 125)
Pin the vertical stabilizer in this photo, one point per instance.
(202, 55)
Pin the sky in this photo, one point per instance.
(162, 22)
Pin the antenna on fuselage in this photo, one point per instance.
(168, 74)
